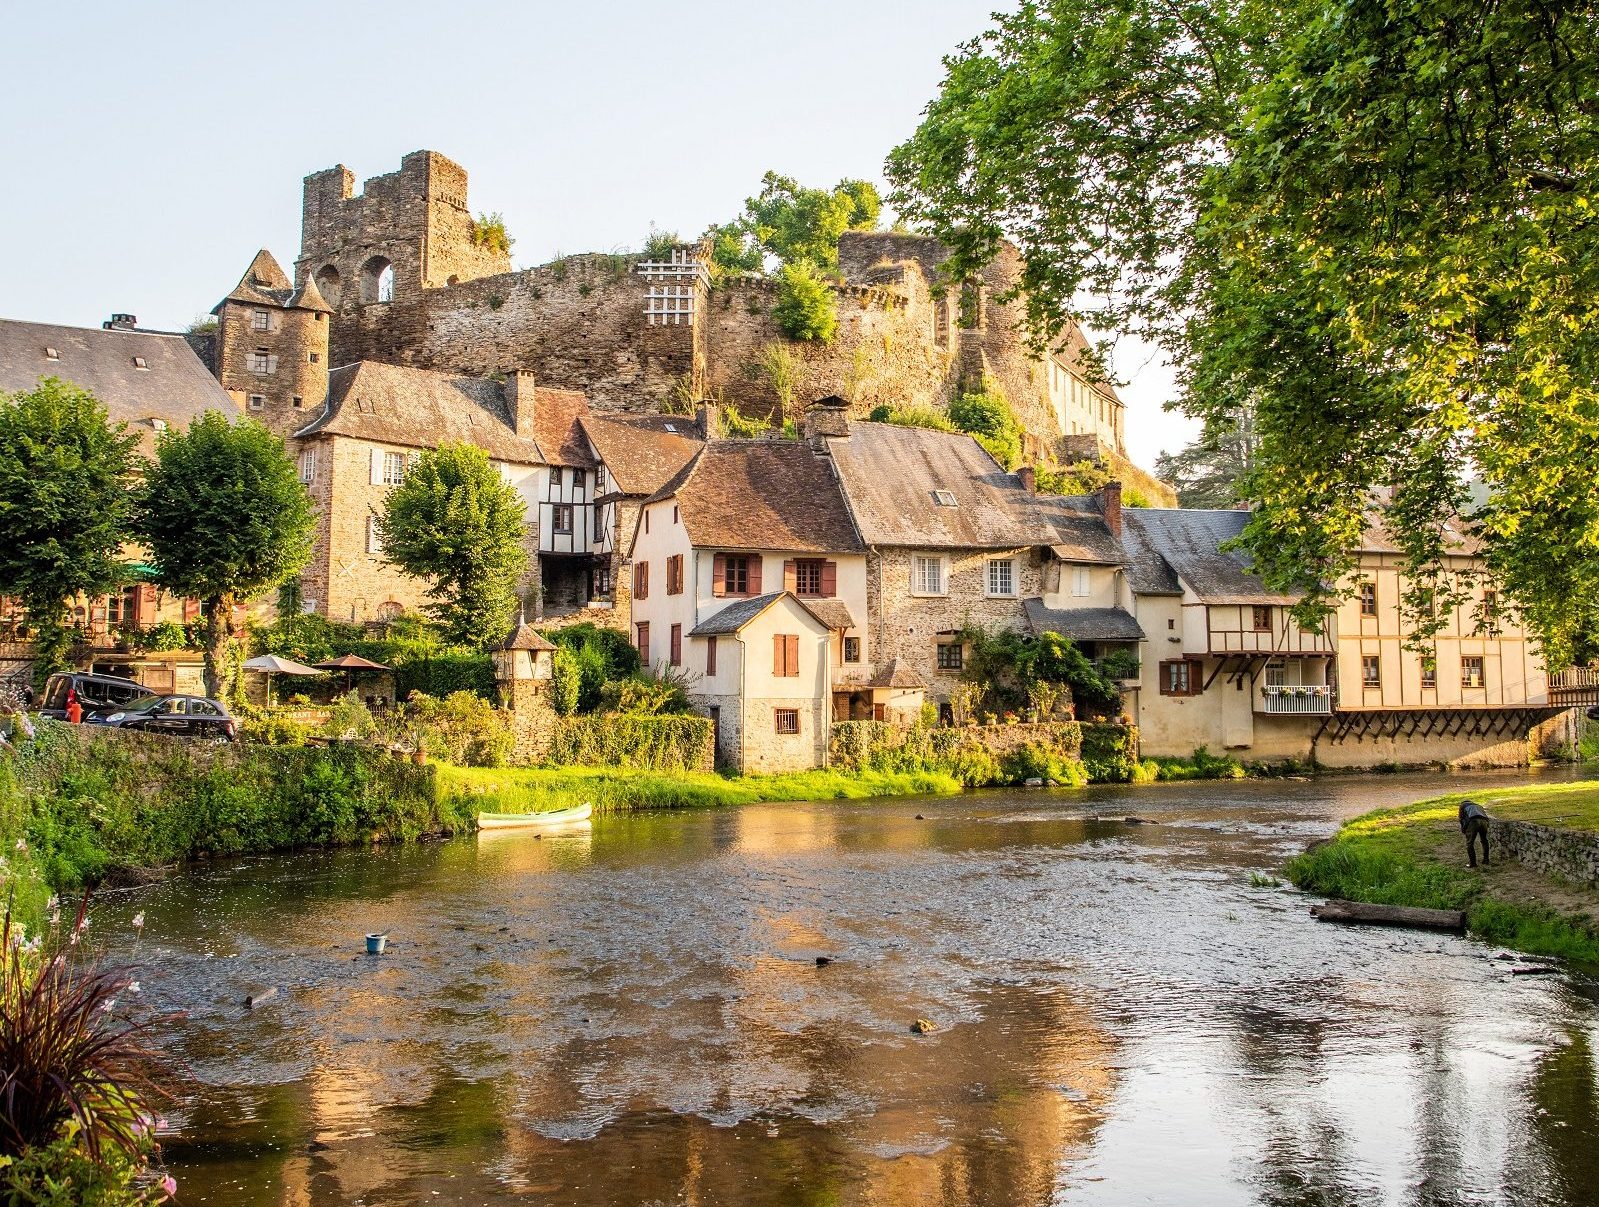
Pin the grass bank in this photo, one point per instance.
(1416, 856)
(541, 789)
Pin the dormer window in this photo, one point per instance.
(945, 498)
(51, 354)
(140, 363)
(159, 425)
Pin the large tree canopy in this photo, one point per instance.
(794, 223)
(1375, 222)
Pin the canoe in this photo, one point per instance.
(522, 821)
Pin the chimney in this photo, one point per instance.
(1110, 506)
(826, 417)
(121, 322)
(1029, 477)
(519, 401)
(708, 418)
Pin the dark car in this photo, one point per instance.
(96, 693)
(181, 716)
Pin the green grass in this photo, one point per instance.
(1415, 856)
(540, 789)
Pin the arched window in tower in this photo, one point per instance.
(327, 280)
(377, 280)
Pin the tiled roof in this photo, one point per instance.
(264, 283)
(420, 408)
(1080, 531)
(1188, 544)
(896, 674)
(641, 452)
(762, 494)
(834, 613)
(1082, 624)
(736, 615)
(557, 415)
(173, 387)
(892, 475)
(309, 297)
(525, 637)
(1076, 355)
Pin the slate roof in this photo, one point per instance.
(264, 283)
(896, 674)
(890, 474)
(1079, 531)
(557, 416)
(1076, 355)
(525, 637)
(834, 613)
(762, 494)
(175, 387)
(309, 297)
(738, 614)
(1082, 624)
(421, 408)
(1171, 545)
(640, 453)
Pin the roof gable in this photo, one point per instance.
(1178, 546)
(264, 283)
(641, 453)
(557, 416)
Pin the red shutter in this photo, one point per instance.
(793, 653)
(778, 650)
(710, 655)
(677, 645)
(644, 642)
(829, 579)
(755, 574)
(719, 575)
(641, 580)
(790, 576)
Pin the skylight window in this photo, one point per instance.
(51, 354)
(159, 425)
(945, 498)
(671, 427)
(139, 363)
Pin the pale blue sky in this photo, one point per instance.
(151, 147)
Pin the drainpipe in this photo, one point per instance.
(743, 694)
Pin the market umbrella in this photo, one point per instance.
(271, 664)
(350, 664)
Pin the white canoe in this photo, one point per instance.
(524, 821)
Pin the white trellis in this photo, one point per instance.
(669, 305)
(674, 283)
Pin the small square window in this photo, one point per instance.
(260, 320)
(945, 498)
(316, 358)
(140, 363)
(951, 656)
(257, 401)
(1260, 618)
(51, 354)
(297, 402)
(786, 720)
(1471, 671)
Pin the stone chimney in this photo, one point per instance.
(519, 401)
(121, 322)
(1029, 477)
(708, 418)
(826, 417)
(1110, 506)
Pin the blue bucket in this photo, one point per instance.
(376, 943)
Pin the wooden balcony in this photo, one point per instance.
(1574, 686)
(1309, 701)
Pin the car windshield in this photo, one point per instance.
(144, 704)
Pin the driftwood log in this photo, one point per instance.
(1390, 915)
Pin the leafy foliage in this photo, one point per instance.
(652, 743)
(661, 244)
(1005, 664)
(566, 682)
(463, 728)
(489, 233)
(225, 518)
(733, 252)
(601, 656)
(1082, 478)
(794, 223)
(457, 524)
(925, 417)
(64, 506)
(1211, 472)
(1374, 224)
(781, 368)
(806, 309)
(986, 414)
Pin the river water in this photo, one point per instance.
(635, 1015)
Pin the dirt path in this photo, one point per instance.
(1506, 879)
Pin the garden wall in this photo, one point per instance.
(1572, 855)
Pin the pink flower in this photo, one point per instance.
(138, 920)
(169, 1186)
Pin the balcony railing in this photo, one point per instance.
(1296, 701)
(1575, 685)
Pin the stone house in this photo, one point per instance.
(270, 350)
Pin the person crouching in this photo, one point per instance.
(1474, 825)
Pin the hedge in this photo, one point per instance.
(645, 743)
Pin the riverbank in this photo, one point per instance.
(1416, 856)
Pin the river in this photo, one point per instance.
(636, 1015)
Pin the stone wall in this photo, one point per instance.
(297, 348)
(1571, 855)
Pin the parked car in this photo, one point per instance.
(181, 716)
(95, 693)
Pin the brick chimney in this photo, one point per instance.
(708, 418)
(1029, 477)
(519, 401)
(1110, 506)
(826, 417)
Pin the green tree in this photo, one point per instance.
(1375, 222)
(1211, 471)
(566, 682)
(985, 413)
(805, 309)
(64, 506)
(226, 518)
(733, 251)
(456, 523)
(794, 224)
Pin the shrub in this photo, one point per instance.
(444, 674)
(463, 728)
(661, 244)
(1202, 765)
(275, 729)
(746, 427)
(159, 638)
(652, 743)
(647, 695)
(922, 417)
(566, 682)
(488, 232)
(986, 414)
(1108, 754)
(805, 305)
(1083, 478)
(602, 655)
(349, 719)
(1038, 761)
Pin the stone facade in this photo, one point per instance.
(1570, 855)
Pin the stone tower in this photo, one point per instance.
(272, 346)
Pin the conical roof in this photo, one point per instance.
(264, 283)
(309, 297)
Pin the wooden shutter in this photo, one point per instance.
(779, 648)
(377, 467)
(792, 653)
(829, 579)
(677, 645)
(644, 642)
(754, 562)
(790, 577)
(710, 655)
(641, 580)
(719, 575)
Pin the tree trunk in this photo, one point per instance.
(218, 629)
(1390, 915)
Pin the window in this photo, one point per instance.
(710, 655)
(1370, 671)
(257, 401)
(643, 641)
(579, 479)
(674, 513)
(296, 402)
(140, 363)
(1260, 618)
(808, 576)
(262, 362)
(734, 577)
(641, 580)
(786, 720)
(674, 574)
(555, 478)
(676, 658)
(394, 468)
(1180, 677)
(1368, 598)
(1080, 581)
(1429, 673)
(945, 498)
(377, 281)
(852, 649)
(374, 538)
(646, 520)
(51, 354)
(1471, 674)
(260, 320)
(1001, 576)
(561, 517)
(927, 576)
(785, 655)
(308, 466)
(316, 358)
(951, 656)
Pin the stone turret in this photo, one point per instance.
(272, 346)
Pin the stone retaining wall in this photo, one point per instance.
(1572, 855)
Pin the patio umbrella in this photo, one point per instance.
(350, 664)
(271, 664)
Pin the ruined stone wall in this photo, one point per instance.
(1572, 855)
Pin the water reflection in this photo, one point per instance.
(635, 1014)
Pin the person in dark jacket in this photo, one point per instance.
(1474, 825)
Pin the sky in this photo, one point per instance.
(152, 147)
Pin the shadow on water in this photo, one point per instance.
(636, 1014)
